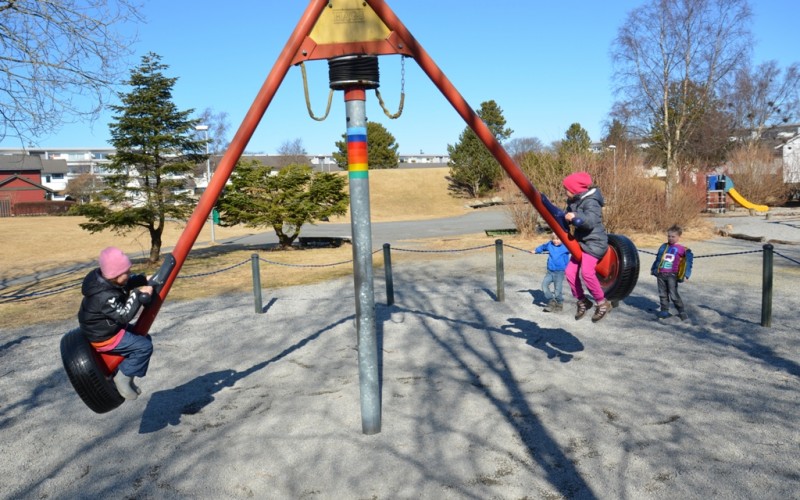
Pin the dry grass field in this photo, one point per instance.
(36, 246)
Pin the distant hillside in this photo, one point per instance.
(411, 194)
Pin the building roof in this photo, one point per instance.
(54, 167)
(17, 162)
(11, 178)
(20, 162)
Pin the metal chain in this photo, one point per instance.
(787, 258)
(34, 295)
(308, 100)
(440, 251)
(402, 92)
(198, 275)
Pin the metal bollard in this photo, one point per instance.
(501, 292)
(766, 290)
(387, 269)
(256, 283)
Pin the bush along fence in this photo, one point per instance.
(768, 252)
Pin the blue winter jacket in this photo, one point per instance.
(558, 258)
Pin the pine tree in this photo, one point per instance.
(576, 142)
(381, 148)
(473, 169)
(294, 196)
(156, 154)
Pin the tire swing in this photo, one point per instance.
(88, 372)
(618, 270)
(91, 372)
(622, 260)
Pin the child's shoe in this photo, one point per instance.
(683, 316)
(554, 306)
(136, 387)
(583, 305)
(663, 315)
(123, 384)
(602, 309)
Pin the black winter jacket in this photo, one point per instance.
(107, 308)
(590, 233)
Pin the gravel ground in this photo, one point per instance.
(480, 398)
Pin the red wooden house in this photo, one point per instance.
(20, 181)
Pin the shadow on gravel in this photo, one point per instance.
(747, 343)
(554, 342)
(166, 407)
(511, 401)
(14, 342)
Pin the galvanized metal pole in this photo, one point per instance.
(501, 280)
(358, 176)
(256, 283)
(387, 270)
(766, 283)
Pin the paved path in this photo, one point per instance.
(781, 224)
(391, 232)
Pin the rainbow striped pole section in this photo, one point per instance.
(357, 165)
(358, 176)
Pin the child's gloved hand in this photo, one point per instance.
(573, 218)
(144, 294)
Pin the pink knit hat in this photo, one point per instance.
(113, 262)
(578, 182)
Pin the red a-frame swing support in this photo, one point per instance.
(301, 48)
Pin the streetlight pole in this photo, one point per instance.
(204, 128)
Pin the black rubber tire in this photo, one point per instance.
(624, 272)
(87, 374)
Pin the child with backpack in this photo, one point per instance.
(673, 265)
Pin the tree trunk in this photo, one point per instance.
(155, 245)
(285, 241)
(671, 180)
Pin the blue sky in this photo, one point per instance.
(546, 64)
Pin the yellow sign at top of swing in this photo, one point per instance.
(348, 21)
(349, 27)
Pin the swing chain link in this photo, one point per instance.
(308, 100)
(402, 92)
(377, 94)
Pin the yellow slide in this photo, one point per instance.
(743, 202)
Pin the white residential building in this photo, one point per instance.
(791, 160)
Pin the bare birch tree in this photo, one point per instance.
(761, 97)
(671, 57)
(59, 61)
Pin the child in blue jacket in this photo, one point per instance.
(556, 265)
(673, 265)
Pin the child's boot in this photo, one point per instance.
(603, 308)
(550, 307)
(123, 384)
(136, 387)
(583, 305)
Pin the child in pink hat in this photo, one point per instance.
(111, 299)
(585, 216)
